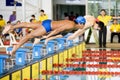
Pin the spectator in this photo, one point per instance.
(12, 16)
(66, 16)
(33, 18)
(18, 31)
(8, 22)
(29, 29)
(103, 17)
(115, 30)
(71, 17)
(76, 15)
(2, 23)
(42, 16)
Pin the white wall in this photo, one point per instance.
(6, 11)
(47, 5)
(80, 2)
(31, 7)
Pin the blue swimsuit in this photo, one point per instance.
(47, 25)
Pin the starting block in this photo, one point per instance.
(51, 47)
(69, 43)
(28, 45)
(60, 43)
(20, 55)
(2, 62)
(63, 41)
(37, 51)
(76, 40)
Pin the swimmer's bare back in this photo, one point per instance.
(54, 25)
(62, 23)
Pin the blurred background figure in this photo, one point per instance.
(72, 16)
(42, 16)
(33, 18)
(66, 16)
(76, 15)
(2, 23)
(12, 16)
(18, 31)
(103, 17)
(115, 30)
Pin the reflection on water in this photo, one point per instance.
(113, 70)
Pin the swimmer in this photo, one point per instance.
(54, 27)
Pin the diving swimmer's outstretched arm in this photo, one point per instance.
(56, 31)
(53, 37)
(37, 40)
(90, 21)
(76, 34)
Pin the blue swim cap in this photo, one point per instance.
(80, 20)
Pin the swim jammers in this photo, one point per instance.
(47, 25)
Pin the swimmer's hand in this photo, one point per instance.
(70, 37)
(37, 40)
(44, 37)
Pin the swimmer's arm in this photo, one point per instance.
(56, 31)
(36, 40)
(79, 32)
(53, 37)
(76, 34)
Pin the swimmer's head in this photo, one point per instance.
(80, 20)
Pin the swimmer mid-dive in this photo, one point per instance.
(54, 27)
